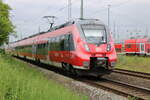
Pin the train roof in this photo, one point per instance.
(130, 41)
(75, 21)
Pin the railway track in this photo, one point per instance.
(121, 88)
(117, 87)
(133, 73)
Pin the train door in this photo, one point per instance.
(71, 43)
(148, 48)
(142, 48)
(34, 50)
(68, 46)
(46, 49)
(71, 47)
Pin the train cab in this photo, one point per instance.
(94, 46)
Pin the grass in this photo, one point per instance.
(134, 63)
(20, 82)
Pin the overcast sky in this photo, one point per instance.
(126, 15)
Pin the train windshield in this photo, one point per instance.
(94, 34)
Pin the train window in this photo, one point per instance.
(49, 40)
(50, 44)
(62, 37)
(39, 45)
(66, 43)
(148, 50)
(55, 44)
(59, 45)
(52, 40)
(43, 45)
(57, 39)
(62, 42)
(142, 47)
(94, 33)
(71, 42)
(128, 45)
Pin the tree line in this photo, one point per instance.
(6, 26)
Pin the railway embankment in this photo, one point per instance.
(95, 88)
(27, 79)
(18, 81)
(74, 83)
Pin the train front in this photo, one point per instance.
(95, 48)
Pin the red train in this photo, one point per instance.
(135, 46)
(119, 47)
(81, 47)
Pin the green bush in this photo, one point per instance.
(2, 51)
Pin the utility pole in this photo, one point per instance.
(109, 16)
(82, 8)
(69, 10)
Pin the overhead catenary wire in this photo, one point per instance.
(61, 10)
(45, 10)
(112, 6)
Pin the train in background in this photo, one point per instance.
(119, 47)
(134, 47)
(83, 47)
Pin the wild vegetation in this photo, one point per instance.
(6, 26)
(135, 63)
(18, 81)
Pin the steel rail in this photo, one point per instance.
(139, 92)
(133, 73)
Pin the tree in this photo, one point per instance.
(6, 26)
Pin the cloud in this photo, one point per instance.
(28, 13)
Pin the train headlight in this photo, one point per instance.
(86, 47)
(108, 47)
